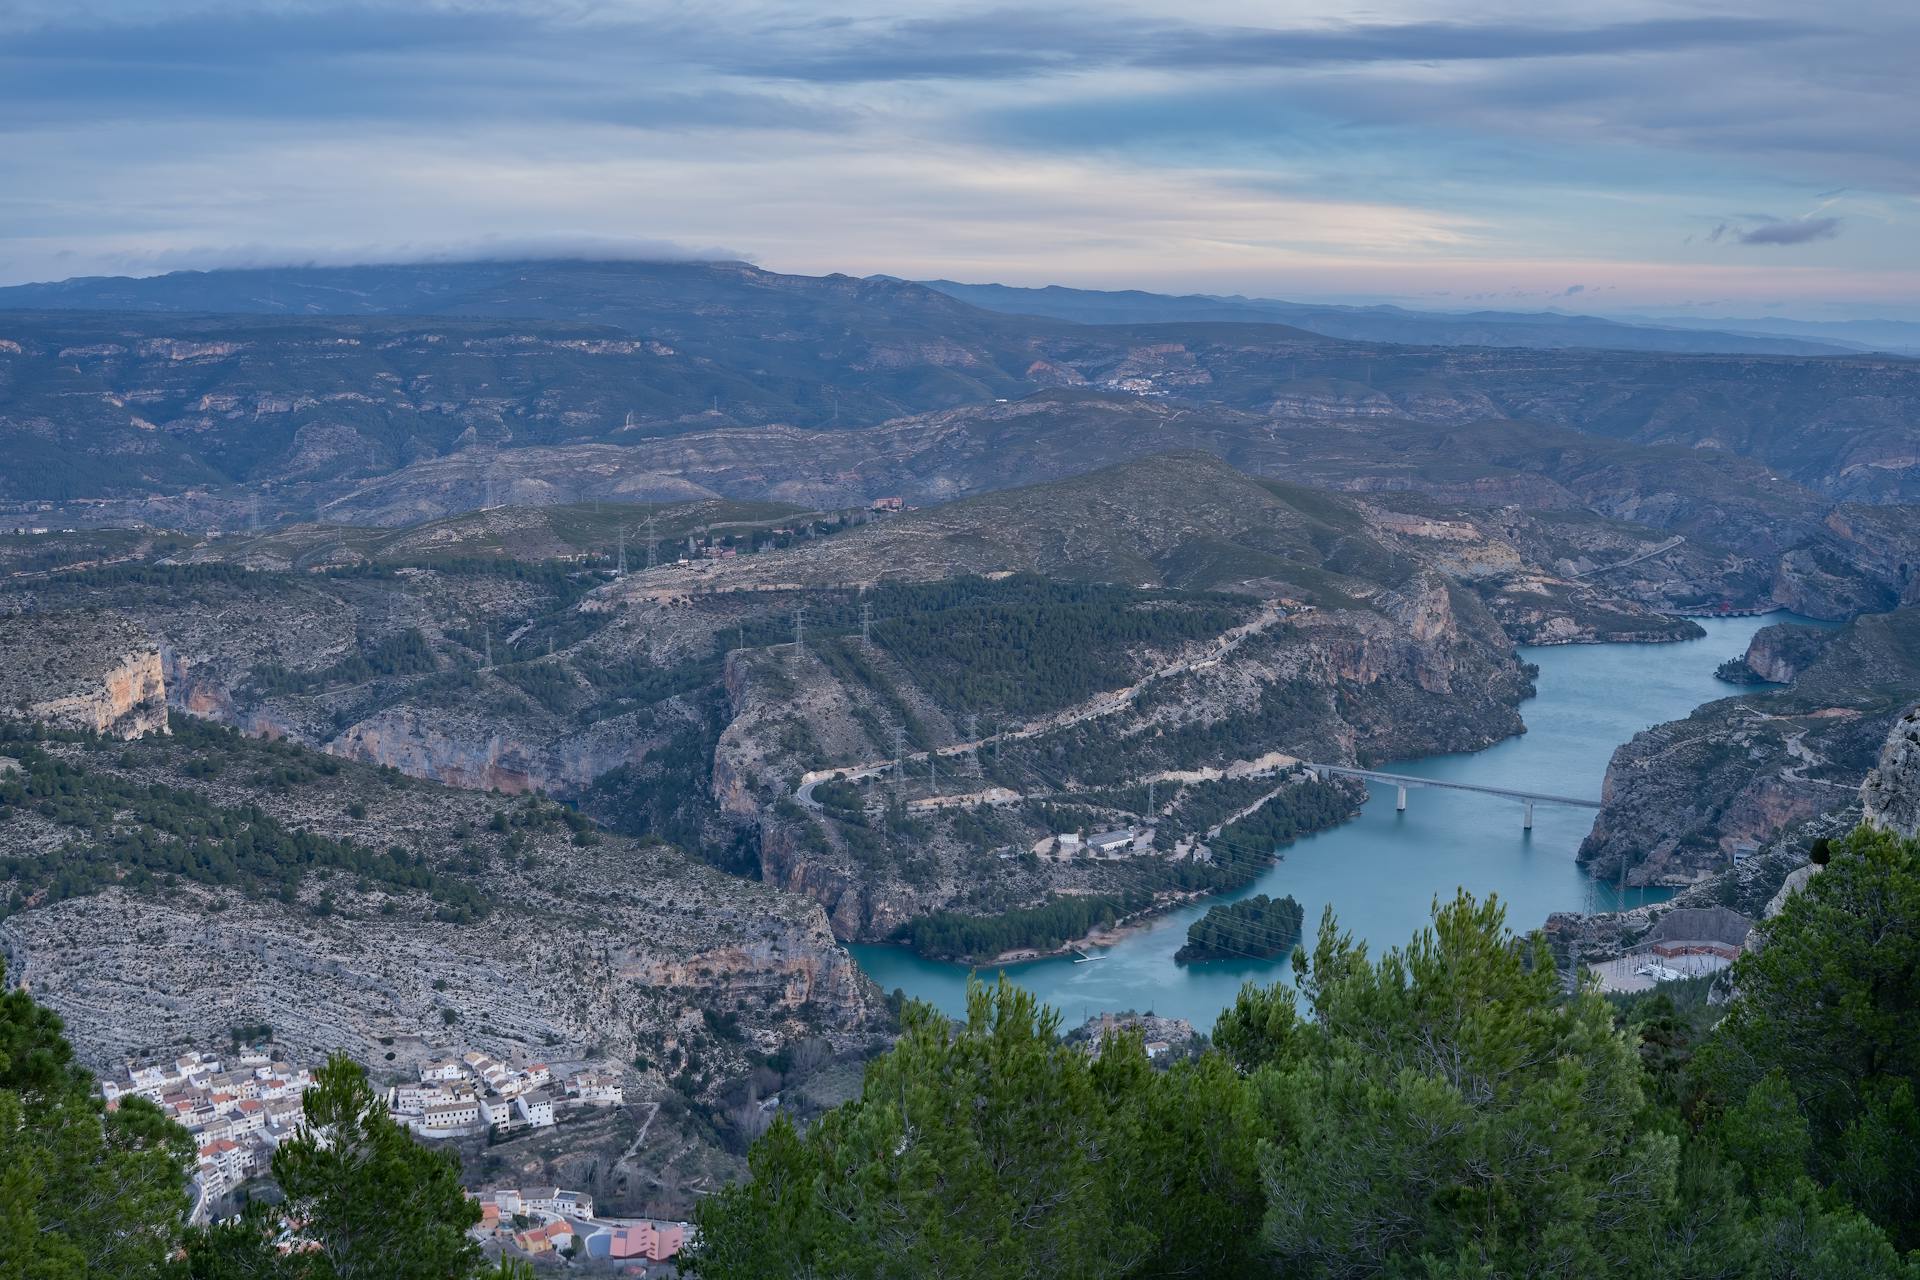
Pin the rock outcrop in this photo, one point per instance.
(86, 670)
(1779, 653)
(1683, 799)
(595, 948)
(1890, 796)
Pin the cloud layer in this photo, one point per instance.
(1792, 231)
(1438, 149)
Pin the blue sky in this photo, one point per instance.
(1650, 156)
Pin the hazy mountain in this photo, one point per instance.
(1397, 324)
(1901, 337)
(160, 402)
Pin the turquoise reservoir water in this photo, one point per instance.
(1382, 871)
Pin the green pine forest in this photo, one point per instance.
(1259, 926)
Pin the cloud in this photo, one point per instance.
(558, 246)
(1009, 43)
(1463, 42)
(966, 138)
(1792, 231)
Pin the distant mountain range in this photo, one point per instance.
(297, 387)
(1900, 337)
(605, 293)
(1542, 329)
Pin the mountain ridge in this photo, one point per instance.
(1384, 323)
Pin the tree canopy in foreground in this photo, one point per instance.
(1446, 1110)
(86, 1192)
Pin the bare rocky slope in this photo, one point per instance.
(92, 670)
(353, 909)
(1682, 798)
(1780, 862)
(1891, 795)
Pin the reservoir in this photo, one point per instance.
(1382, 871)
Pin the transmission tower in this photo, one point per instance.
(650, 540)
(620, 570)
(866, 620)
(799, 631)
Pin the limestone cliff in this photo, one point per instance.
(1891, 794)
(1779, 653)
(595, 948)
(463, 749)
(1682, 799)
(85, 670)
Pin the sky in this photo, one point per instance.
(1658, 157)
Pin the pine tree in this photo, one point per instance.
(1449, 1113)
(362, 1199)
(83, 1192)
(1827, 1024)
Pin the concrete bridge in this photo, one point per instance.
(1405, 780)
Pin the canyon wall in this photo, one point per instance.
(1891, 794)
(87, 670)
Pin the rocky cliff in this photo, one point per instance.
(1861, 559)
(594, 947)
(1682, 799)
(89, 670)
(1890, 796)
(1779, 653)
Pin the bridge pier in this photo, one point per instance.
(1400, 803)
(1526, 819)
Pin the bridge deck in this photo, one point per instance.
(1413, 780)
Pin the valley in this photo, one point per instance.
(647, 665)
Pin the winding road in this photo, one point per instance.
(1101, 704)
